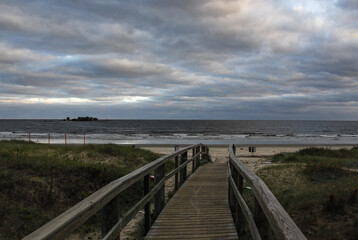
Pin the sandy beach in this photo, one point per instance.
(243, 151)
(254, 160)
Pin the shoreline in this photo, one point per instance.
(242, 150)
(245, 145)
(221, 151)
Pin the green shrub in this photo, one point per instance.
(278, 157)
(317, 191)
(324, 170)
(324, 152)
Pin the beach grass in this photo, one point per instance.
(318, 188)
(40, 181)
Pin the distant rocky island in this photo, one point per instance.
(81, 119)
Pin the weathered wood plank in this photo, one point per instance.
(199, 210)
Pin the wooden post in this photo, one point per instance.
(176, 148)
(240, 183)
(205, 151)
(159, 197)
(232, 195)
(110, 216)
(236, 205)
(229, 193)
(239, 221)
(198, 157)
(232, 198)
(261, 221)
(65, 139)
(84, 139)
(183, 158)
(49, 139)
(193, 162)
(29, 137)
(147, 222)
(240, 217)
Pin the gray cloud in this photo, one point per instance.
(179, 59)
(348, 4)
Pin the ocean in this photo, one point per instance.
(183, 132)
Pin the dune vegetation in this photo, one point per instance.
(318, 188)
(40, 181)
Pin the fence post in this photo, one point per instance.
(176, 148)
(240, 216)
(193, 162)
(110, 216)
(147, 222)
(198, 158)
(229, 192)
(183, 158)
(261, 221)
(159, 174)
(239, 220)
(232, 199)
(205, 151)
(237, 210)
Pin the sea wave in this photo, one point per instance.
(181, 138)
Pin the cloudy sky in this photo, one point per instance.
(160, 59)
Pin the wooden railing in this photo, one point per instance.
(106, 199)
(268, 213)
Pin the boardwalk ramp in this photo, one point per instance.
(208, 205)
(199, 210)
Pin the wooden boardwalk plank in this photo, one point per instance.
(199, 210)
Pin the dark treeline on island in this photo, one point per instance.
(83, 119)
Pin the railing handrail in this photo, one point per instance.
(74, 217)
(281, 223)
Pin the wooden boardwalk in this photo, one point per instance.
(199, 210)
